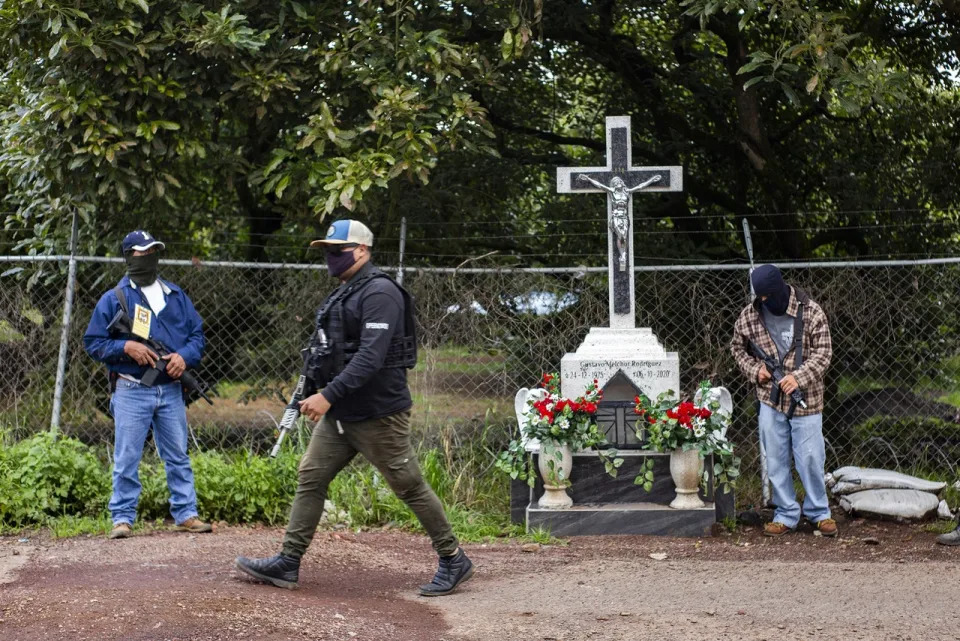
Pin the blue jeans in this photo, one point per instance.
(804, 440)
(135, 408)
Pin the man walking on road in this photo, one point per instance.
(368, 324)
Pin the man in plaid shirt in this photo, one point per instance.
(770, 322)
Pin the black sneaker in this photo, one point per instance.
(453, 571)
(282, 571)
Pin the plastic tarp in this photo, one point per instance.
(850, 479)
(905, 504)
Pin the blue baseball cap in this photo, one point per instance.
(140, 240)
(344, 232)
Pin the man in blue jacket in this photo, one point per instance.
(164, 313)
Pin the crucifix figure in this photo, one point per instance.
(614, 180)
(620, 219)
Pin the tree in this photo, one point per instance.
(183, 114)
(829, 125)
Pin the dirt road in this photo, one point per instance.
(166, 585)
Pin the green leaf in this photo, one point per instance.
(791, 94)
(750, 66)
(143, 5)
(282, 185)
(506, 45)
(299, 10)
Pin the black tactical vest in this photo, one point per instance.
(402, 351)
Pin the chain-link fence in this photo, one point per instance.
(892, 396)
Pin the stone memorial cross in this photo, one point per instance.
(619, 179)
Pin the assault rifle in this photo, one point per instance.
(306, 386)
(121, 325)
(776, 373)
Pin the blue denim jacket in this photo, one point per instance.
(177, 326)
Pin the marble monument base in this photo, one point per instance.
(622, 518)
(625, 362)
(605, 505)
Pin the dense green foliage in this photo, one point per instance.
(47, 480)
(45, 476)
(230, 128)
(231, 486)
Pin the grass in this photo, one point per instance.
(445, 386)
(461, 360)
(67, 526)
(63, 527)
(940, 527)
(926, 386)
(440, 408)
(542, 536)
(475, 495)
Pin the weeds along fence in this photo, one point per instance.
(892, 396)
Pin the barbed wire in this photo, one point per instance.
(540, 235)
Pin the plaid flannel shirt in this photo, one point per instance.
(817, 351)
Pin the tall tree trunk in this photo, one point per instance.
(759, 151)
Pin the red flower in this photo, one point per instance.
(682, 414)
(541, 407)
(705, 413)
(651, 419)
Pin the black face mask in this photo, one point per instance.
(768, 281)
(143, 269)
(340, 261)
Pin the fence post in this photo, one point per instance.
(403, 244)
(65, 329)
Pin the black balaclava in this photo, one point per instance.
(142, 269)
(768, 281)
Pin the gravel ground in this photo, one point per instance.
(877, 581)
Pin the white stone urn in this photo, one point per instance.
(555, 463)
(686, 468)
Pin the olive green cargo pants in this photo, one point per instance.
(385, 442)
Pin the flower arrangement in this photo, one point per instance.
(671, 425)
(566, 421)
